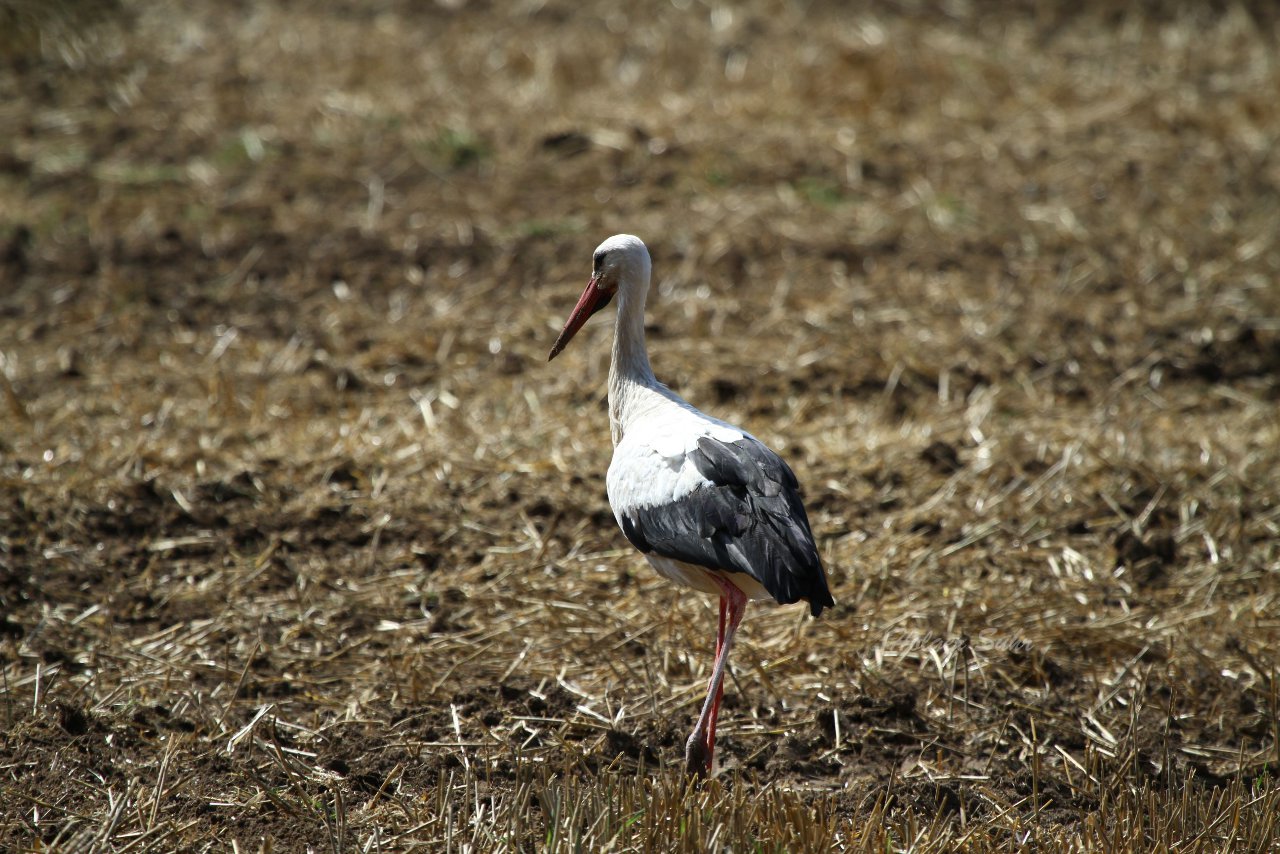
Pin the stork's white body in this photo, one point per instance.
(653, 437)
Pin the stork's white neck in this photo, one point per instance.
(631, 379)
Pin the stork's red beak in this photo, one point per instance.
(592, 300)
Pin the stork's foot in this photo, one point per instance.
(697, 757)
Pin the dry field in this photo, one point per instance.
(303, 545)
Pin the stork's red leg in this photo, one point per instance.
(698, 751)
(720, 631)
(720, 692)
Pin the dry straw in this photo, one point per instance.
(303, 548)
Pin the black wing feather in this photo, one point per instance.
(750, 519)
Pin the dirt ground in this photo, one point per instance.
(304, 546)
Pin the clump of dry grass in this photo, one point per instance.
(301, 542)
(71, 30)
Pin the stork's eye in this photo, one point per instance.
(597, 261)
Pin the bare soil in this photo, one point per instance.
(303, 545)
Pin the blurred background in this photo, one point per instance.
(294, 515)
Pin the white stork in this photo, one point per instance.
(706, 502)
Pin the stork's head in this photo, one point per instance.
(623, 262)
